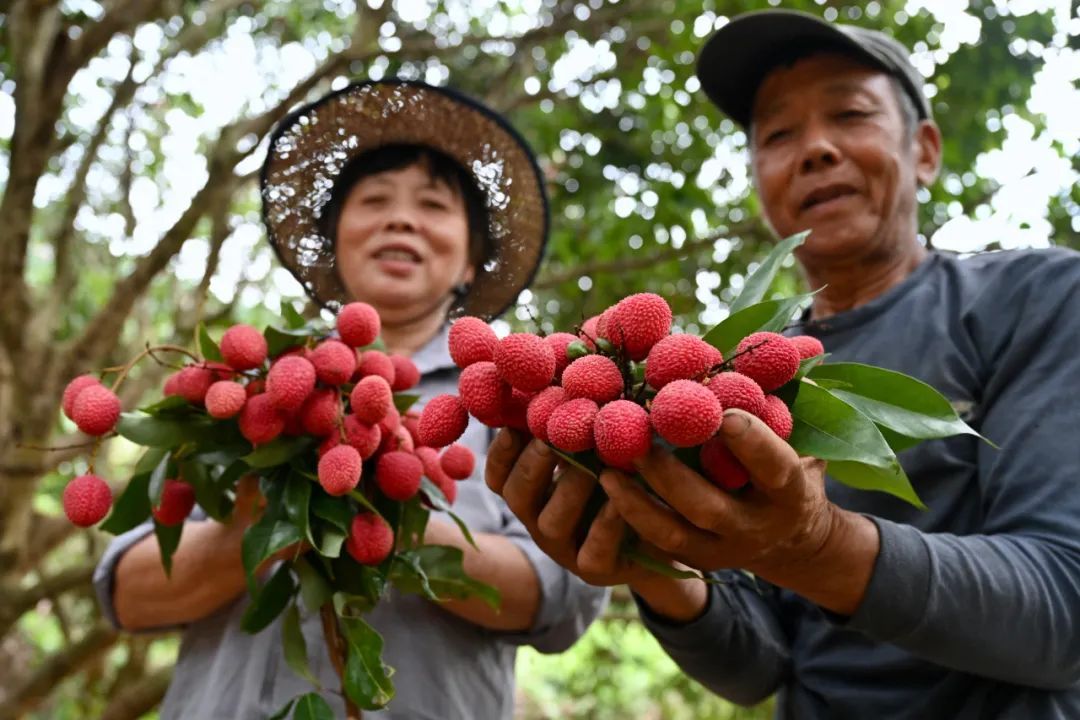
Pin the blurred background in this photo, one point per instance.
(131, 132)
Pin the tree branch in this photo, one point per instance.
(134, 700)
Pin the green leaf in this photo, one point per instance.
(367, 678)
(329, 540)
(284, 711)
(263, 539)
(277, 452)
(331, 509)
(761, 279)
(414, 519)
(581, 463)
(210, 496)
(278, 340)
(269, 601)
(771, 316)
(406, 567)
(133, 505)
(445, 574)
(157, 481)
(867, 477)
(650, 563)
(312, 707)
(207, 346)
(293, 319)
(403, 402)
(297, 498)
(292, 639)
(362, 581)
(172, 405)
(364, 502)
(314, 588)
(438, 500)
(899, 402)
(168, 537)
(153, 431)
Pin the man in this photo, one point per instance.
(856, 605)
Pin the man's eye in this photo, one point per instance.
(776, 135)
(853, 114)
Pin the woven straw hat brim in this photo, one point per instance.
(312, 144)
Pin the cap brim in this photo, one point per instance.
(734, 61)
(312, 144)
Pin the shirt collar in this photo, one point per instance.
(435, 354)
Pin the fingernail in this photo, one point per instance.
(735, 423)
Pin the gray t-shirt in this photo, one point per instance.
(973, 608)
(445, 668)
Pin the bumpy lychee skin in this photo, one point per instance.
(458, 461)
(334, 361)
(370, 539)
(442, 421)
(721, 466)
(294, 424)
(679, 357)
(406, 374)
(72, 391)
(362, 436)
(559, 342)
(777, 416)
(96, 410)
(767, 358)
(471, 341)
(525, 361)
(260, 422)
(371, 399)
(255, 387)
(172, 385)
(482, 391)
(433, 469)
(87, 499)
(398, 475)
(339, 470)
(397, 439)
(193, 382)
(411, 422)
(570, 427)
(808, 346)
(735, 390)
(376, 362)
(514, 413)
(320, 413)
(225, 399)
(589, 333)
(243, 347)
(637, 323)
(622, 433)
(358, 324)
(177, 501)
(595, 377)
(685, 413)
(289, 382)
(540, 409)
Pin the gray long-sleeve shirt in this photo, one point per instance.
(973, 608)
(445, 668)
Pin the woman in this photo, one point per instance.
(420, 202)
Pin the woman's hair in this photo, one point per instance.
(439, 166)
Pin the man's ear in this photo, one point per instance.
(927, 147)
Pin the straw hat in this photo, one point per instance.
(309, 148)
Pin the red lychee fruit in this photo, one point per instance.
(177, 501)
(589, 332)
(334, 361)
(777, 416)
(482, 391)
(96, 410)
(358, 324)
(471, 341)
(375, 362)
(808, 346)
(362, 436)
(685, 413)
(622, 433)
(525, 361)
(193, 382)
(87, 499)
(433, 469)
(735, 390)
(289, 382)
(458, 461)
(679, 357)
(595, 377)
(559, 342)
(411, 421)
(371, 399)
(767, 358)
(514, 413)
(570, 427)
(74, 388)
(321, 412)
(398, 475)
(260, 422)
(721, 466)
(331, 442)
(370, 539)
(406, 374)
(637, 323)
(172, 385)
(339, 470)
(255, 387)
(243, 347)
(225, 399)
(540, 409)
(442, 421)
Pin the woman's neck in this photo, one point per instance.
(408, 336)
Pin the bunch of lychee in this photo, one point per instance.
(616, 384)
(337, 390)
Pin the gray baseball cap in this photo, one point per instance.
(735, 60)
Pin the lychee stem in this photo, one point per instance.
(148, 351)
(336, 645)
(729, 362)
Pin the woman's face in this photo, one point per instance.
(403, 242)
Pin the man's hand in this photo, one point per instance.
(782, 527)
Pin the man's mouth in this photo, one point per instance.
(824, 195)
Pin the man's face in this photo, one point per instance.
(831, 154)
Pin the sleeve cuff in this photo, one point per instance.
(899, 590)
(105, 572)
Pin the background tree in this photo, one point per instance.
(130, 132)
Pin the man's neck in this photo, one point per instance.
(846, 286)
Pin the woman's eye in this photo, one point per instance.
(433, 203)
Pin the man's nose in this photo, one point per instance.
(819, 149)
